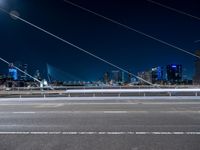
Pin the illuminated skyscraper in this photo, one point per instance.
(174, 73)
(157, 74)
(106, 77)
(145, 75)
(130, 77)
(116, 76)
(24, 75)
(12, 72)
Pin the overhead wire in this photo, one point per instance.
(5, 61)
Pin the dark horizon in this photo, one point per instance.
(127, 49)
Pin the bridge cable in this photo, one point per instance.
(77, 47)
(132, 29)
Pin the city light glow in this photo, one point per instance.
(1, 2)
(173, 66)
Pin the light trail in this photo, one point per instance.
(132, 29)
(77, 47)
(131, 90)
(99, 133)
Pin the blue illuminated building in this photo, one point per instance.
(13, 73)
(157, 74)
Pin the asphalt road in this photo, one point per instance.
(114, 124)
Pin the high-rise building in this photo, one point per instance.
(12, 72)
(18, 65)
(145, 75)
(123, 77)
(130, 76)
(116, 76)
(196, 78)
(157, 74)
(24, 75)
(174, 73)
(106, 77)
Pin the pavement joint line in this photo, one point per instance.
(99, 133)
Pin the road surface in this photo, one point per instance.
(114, 124)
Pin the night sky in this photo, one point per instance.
(125, 48)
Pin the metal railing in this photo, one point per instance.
(101, 92)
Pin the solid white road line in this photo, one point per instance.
(99, 133)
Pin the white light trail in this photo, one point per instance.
(77, 47)
(100, 133)
(132, 29)
(131, 90)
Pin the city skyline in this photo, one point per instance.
(120, 46)
(170, 74)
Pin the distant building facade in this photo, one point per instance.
(145, 75)
(157, 74)
(174, 73)
(24, 67)
(24, 76)
(12, 72)
(116, 76)
(130, 76)
(106, 77)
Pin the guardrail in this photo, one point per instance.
(103, 92)
(98, 87)
(144, 92)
